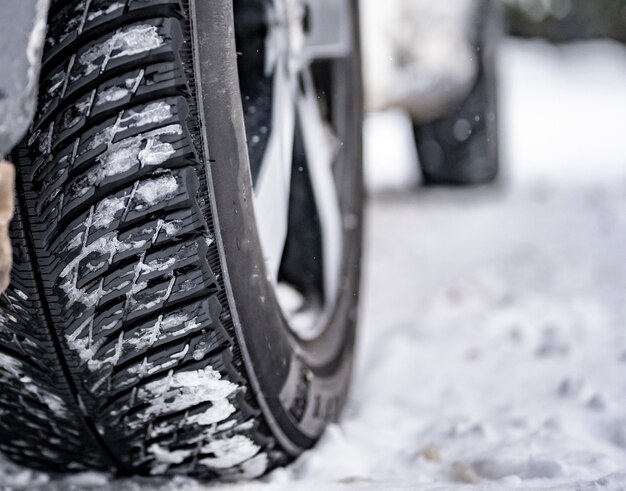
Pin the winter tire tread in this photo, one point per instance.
(117, 304)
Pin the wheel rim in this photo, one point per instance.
(289, 50)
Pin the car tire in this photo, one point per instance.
(145, 330)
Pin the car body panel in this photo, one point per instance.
(22, 35)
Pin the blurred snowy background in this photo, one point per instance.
(493, 337)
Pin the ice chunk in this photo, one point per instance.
(156, 190)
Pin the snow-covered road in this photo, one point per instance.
(493, 341)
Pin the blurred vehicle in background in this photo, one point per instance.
(436, 60)
(22, 32)
(567, 20)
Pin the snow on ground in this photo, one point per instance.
(493, 347)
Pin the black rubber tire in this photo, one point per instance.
(139, 333)
(461, 148)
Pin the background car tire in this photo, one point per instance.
(140, 333)
(461, 148)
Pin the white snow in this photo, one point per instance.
(20, 294)
(219, 411)
(10, 365)
(166, 456)
(172, 228)
(106, 212)
(492, 346)
(12, 368)
(105, 11)
(76, 241)
(117, 92)
(86, 348)
(173, 325)
(156, 190)
(155, 112)
(126, 42)
(160, 264)
(106, 247)
(155, 152)
(112, 94)
(143, 149)
(229, 452)
(57, 81)
(186, 389)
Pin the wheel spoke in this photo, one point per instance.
(320, 153)
(301, 32)
(272, 190)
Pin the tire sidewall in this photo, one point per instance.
(299, 386)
